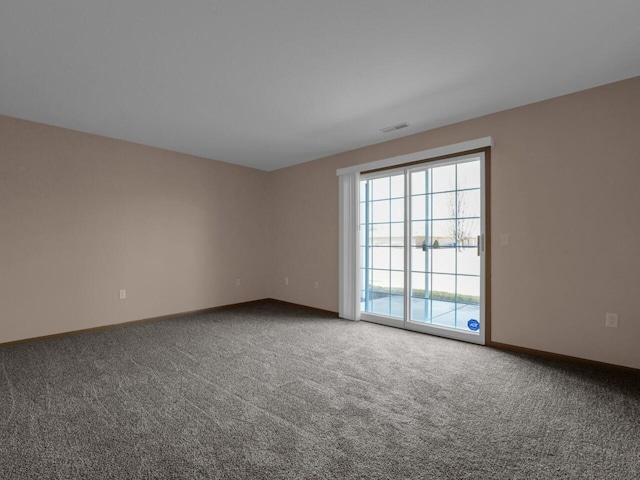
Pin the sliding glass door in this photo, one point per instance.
(382, 213)
(422, 249)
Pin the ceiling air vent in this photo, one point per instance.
(393, 128)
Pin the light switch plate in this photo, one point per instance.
(611, 320)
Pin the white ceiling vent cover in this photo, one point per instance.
(393, 128)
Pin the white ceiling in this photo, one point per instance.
(272, 83)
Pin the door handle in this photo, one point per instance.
(479, 238)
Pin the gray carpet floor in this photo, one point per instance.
(271, 391)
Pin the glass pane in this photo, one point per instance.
(420, 309)
(443, 205)
(418, 260)
(442, 295)
(363, 258)
(381, 256)
(469, 175)
(443, 314)
(443, 260)
(443, 287)
(418, 183)
(468, 304)
(467, 232)
(441, 233)
(397, 210)
(418, 233)
(366, 280)
(380, 211)
(397, 283)
(385, 276)
(468, 261)
(380, 235)
(380, 188)
(396, 307)
(397, 258)
(397, 186)
(468, 289)
(379, 303)
(418, 284)
(419, 207)
(469, 203)
(397, 234)
(443, 179)
(380, 281)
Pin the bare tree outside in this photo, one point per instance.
(460, 229)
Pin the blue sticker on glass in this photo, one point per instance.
(473, 324)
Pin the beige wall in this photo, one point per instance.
(83, 216)
(565, 176)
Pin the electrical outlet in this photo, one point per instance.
(286, 280)
(237, 282)
(317, 284)
(611, 320)
(123, 294)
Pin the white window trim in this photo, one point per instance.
(349, 305)
(417, 156)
